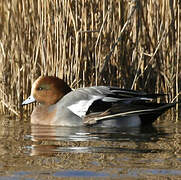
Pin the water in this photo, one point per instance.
(43, 152)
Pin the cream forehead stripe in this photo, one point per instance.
(34, 85)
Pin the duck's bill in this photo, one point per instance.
(29, 100)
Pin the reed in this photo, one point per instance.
(132, 44)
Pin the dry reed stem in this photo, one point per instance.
(150, 61)
(10, 108)
(119, 38)
(132, 45)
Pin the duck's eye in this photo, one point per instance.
(39, 88)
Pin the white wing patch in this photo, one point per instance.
(80, 108)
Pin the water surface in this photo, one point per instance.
(44, 152)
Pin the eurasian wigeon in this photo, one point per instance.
(96, 106)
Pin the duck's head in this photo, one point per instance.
(47, 90)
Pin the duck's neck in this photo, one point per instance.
(67, 89)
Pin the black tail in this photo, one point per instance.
(151, 116)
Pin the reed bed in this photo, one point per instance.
(131, 44)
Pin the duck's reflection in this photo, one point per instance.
(48, 140)
(58, 133)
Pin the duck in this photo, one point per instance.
(98, 106)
